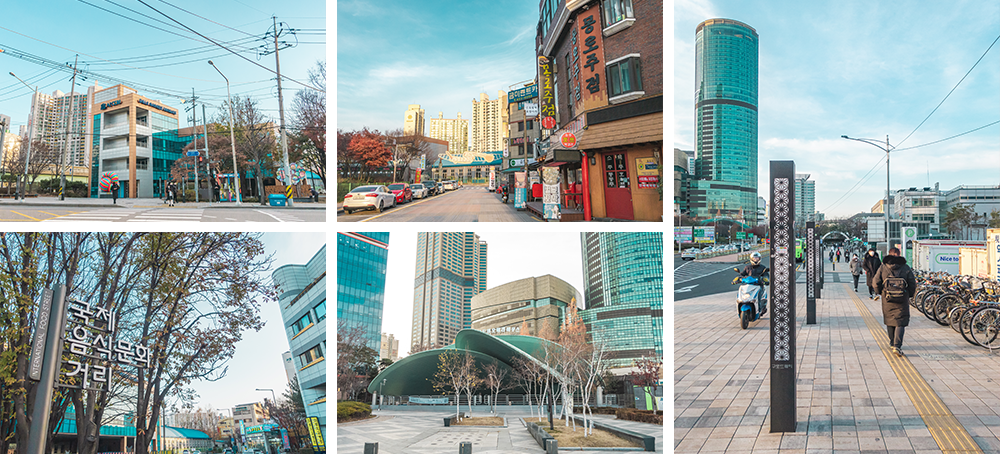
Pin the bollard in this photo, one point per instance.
(371, 448)
(551, 446)
(782, 351)
(465, 447)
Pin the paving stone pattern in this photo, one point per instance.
(848, 397)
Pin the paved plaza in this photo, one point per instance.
(423, 432)
(853, 396)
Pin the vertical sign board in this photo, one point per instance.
(520, 189)
(782, 296)
(550, 192)
(908, 235)
(41, 331)
(546, 93)
(315, 434)
(810, 262)
(818, 258)
(47, 376)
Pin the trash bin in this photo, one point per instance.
(276, 200)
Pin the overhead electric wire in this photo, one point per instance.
(164, 55)
(856, 185)
(230, 50)
(948, 138)
(952, 90)
(205, 18)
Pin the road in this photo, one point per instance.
(694, 278)
(468, 204)
(30, 213)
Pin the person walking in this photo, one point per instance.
(114, 192)
(871, 264)
(856, 270)
(838, 255)
(896, 283)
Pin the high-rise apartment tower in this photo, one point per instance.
(451, 269)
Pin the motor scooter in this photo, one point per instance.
(751, 295)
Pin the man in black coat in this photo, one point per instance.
(871, 265)
(895, 314)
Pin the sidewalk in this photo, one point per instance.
(93, 203)
(852, 394)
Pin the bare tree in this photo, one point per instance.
(308, 144)
(496, 379)
(409, 148)
(255, 138)
(648, 373)
(43, 157)
(449, 375)
(470, 378)
(355, 360)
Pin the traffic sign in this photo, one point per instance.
(192, 153)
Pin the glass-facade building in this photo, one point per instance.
(623, 293)
(302, 301)
(725, 119)
(362, 258)
(451, 269)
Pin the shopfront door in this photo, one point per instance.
(617, 194)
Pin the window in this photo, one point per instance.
(520, 126)
(624, 76)
(310, 355)
(530, 125)
(321, 311)
(302, 323)
(616, 11)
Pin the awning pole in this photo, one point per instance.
(586, 186)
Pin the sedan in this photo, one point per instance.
(419, 191)
(402, 191)
(449, 185)
(369, 198)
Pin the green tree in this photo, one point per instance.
(994, 222)
(958, 219)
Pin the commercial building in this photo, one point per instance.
(623, 292)
(533, 306)
(289, 362)
(414, 121)
(455, 131)
(389, 347)
(725, 119)
(488, 130)
(983, 199)
(362, 258)
(805, 200)
(249, 414)
(450, 270)
(302, 300)
(469, 167)
(523, 131)
(682, 181)
(918, 204)
(600, 69)
(879, 207)
(131, 135)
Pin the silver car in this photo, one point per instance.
(419, 190)
(376, 197)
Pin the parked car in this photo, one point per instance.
(419, 190)
(449, 185)
(375, 197)
(689, 253)
(402, 191)
(431, 188)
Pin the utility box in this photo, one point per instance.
(974, 262)
(277, 200)
(941, 255)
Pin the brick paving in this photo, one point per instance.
(849, 398)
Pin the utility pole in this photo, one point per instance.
(208, 158)
(194, 127)
(281, 110)
(3, 154)
(62, 157)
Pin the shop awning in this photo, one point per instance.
(628, 131)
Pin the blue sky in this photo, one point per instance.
(439, 54)
(78, 27)
(257, 362)
(863, 69)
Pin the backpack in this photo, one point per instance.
(895, 290)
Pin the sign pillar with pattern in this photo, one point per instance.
(782, 296)
(810, 261)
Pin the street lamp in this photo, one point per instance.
(380, 396)
(885, 206)
(274, 402)
(31, 127)
(232, 139)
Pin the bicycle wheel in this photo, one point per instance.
(943, 306)
(955, 317)
(927, 300)
(966, 324)
(986, 326)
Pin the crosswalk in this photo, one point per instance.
(694, 269)
(134, 215)
(169, 214)
(280, 216)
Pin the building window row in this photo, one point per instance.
(624, 76)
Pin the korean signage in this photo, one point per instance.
(531, 109)
(683, 234)
(315, 434)
(92, 339)
(568, 140)
(546, 96)
(522, 94)
(503, 330)
(704, 234)
(157, 106)
(550, 192)
(520, 189)
(587, 62)
(647, 170)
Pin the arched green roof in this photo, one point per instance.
(412, 375)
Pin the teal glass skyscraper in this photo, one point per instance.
(725, 120)
(362, 258)
(623, 294)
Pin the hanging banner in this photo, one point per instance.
(315, 434)
(546, 95)
(520, 189)
(550, 192)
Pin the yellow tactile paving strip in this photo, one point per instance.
(947, 431)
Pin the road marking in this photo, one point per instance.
(29, 217)
(947, 431)
(401, 208)
(686, 289)
(703, 275)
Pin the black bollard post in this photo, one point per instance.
(465, 447)
(810, 273)
(371, 448)
(782, 296)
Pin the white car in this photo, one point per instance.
(690, 253)
(449, 185)
(375, 197)
(419, 190)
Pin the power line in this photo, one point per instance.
(950, 92)
(230, 50)
(205, 18)
(949, 138)
(857, 185)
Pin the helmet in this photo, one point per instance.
(755, 257)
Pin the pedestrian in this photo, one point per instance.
(314, 195)
(871, 264)
(114, 192)
(895, 282)
(831, 255)
(856, 270)
(838, 255)
(171, 193)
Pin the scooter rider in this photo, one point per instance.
(759, 271)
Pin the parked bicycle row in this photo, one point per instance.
(970, 305)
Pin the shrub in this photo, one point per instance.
(350, 410)
(632, 414)
(597, 410)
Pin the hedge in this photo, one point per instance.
(350, 410)
(631, 414)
